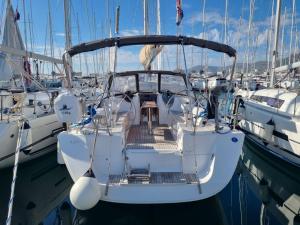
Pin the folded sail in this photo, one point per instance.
(11, 38)
(148, 54)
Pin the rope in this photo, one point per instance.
(15, 170)
(94, 144)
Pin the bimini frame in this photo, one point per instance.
(118, 42)
(146, 40)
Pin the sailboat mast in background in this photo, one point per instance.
(67, 24)
(146, 18)
(275, 51)
(158, 31)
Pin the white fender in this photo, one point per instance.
(266, 132)
(85, 193)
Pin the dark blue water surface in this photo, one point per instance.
(263, 190)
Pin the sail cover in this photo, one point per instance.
(11, 38)
(148, 54)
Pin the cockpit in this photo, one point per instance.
(150, 95)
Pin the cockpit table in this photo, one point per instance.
(149, 106)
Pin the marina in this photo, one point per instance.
(113, 114)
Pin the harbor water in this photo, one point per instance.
(263, 190)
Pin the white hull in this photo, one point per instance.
(275, 150)
(276, 129)
(41, 127)
(216, 163)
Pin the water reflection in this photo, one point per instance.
(42, 185)
(265, 190)
(208, 211)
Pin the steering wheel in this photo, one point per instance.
(167, 97)
(186, 105)
(126, 96)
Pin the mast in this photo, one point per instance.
(270, 38)
(204, 35)
(51, 34)
(79, 40)
(158, 31)
(296, 43)
(282, 37)
(68, 36)
(25, 24)
(252, 4)
(67, 23)
(277, 23)
(292, 29)
(31, 33)
(146, 18)
(225, 33)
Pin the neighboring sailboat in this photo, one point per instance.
(270, 117)
(19, 105)
(149, 138)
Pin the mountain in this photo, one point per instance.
(260, 66)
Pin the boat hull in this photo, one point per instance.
(215, 170)
(43, 132)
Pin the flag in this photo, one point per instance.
(17, 15)
(179, 14)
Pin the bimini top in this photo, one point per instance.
(151, 39)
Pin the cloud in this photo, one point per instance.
(210, 17)
(60, 34)
(131, 32)
(212, 35)
(262, 37)
(214, 17)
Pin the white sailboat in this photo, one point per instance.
(149, 139)
(270, 117)
(34, 108)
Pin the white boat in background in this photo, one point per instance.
(149, 140)
(271, 117)
(41, 125)
(19, 104)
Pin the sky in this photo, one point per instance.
(93, 17)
